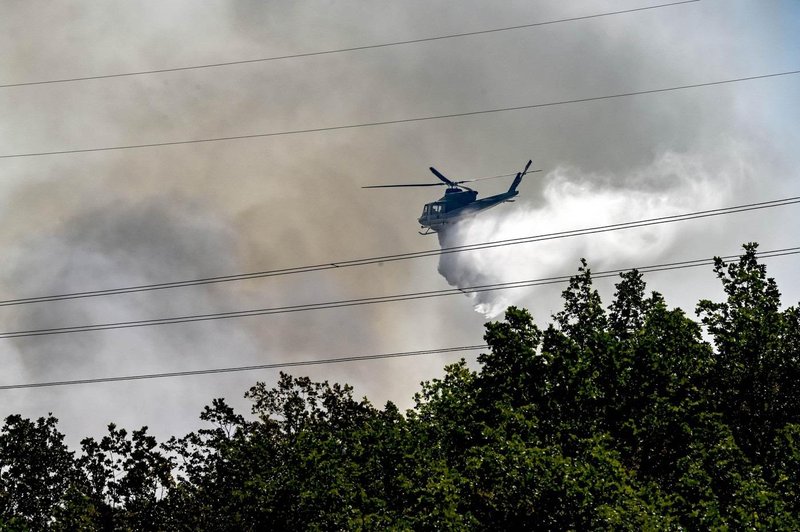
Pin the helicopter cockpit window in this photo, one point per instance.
(436, 208)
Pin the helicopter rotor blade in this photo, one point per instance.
(438, 174)
(456, 184)
(482, 178)
(406, 185)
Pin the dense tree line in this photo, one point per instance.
(623, 417)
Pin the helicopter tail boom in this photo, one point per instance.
(515, 183)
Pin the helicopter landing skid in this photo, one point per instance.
(428, 231)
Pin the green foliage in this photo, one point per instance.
(609, 418)
(36, 471)
(756, 377)
(126, 477)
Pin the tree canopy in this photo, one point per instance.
(632, 416)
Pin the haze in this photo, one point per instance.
(106, 219)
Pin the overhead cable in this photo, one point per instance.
(400, 120)
(410, 255)
(341, 50)
(374, 300)
(276, 365)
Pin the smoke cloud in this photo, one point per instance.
(89, 221)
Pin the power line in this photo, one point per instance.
(372, 300)
(277, 365)
(341, 50)
(399, 121)
(411, 255)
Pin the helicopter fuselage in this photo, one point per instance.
(457, 204)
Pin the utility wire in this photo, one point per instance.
(276, 365)
(401, 120)
(373, 300)
(411, 255)
(341, 50)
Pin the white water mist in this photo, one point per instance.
(569, 199)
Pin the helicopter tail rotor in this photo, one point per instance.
(518, 179)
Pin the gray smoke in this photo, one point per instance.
(113, 218)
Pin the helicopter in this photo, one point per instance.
(459, 201)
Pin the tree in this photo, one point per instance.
(126, 478)
(37, 472)
(756, 375)
(622, 417)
